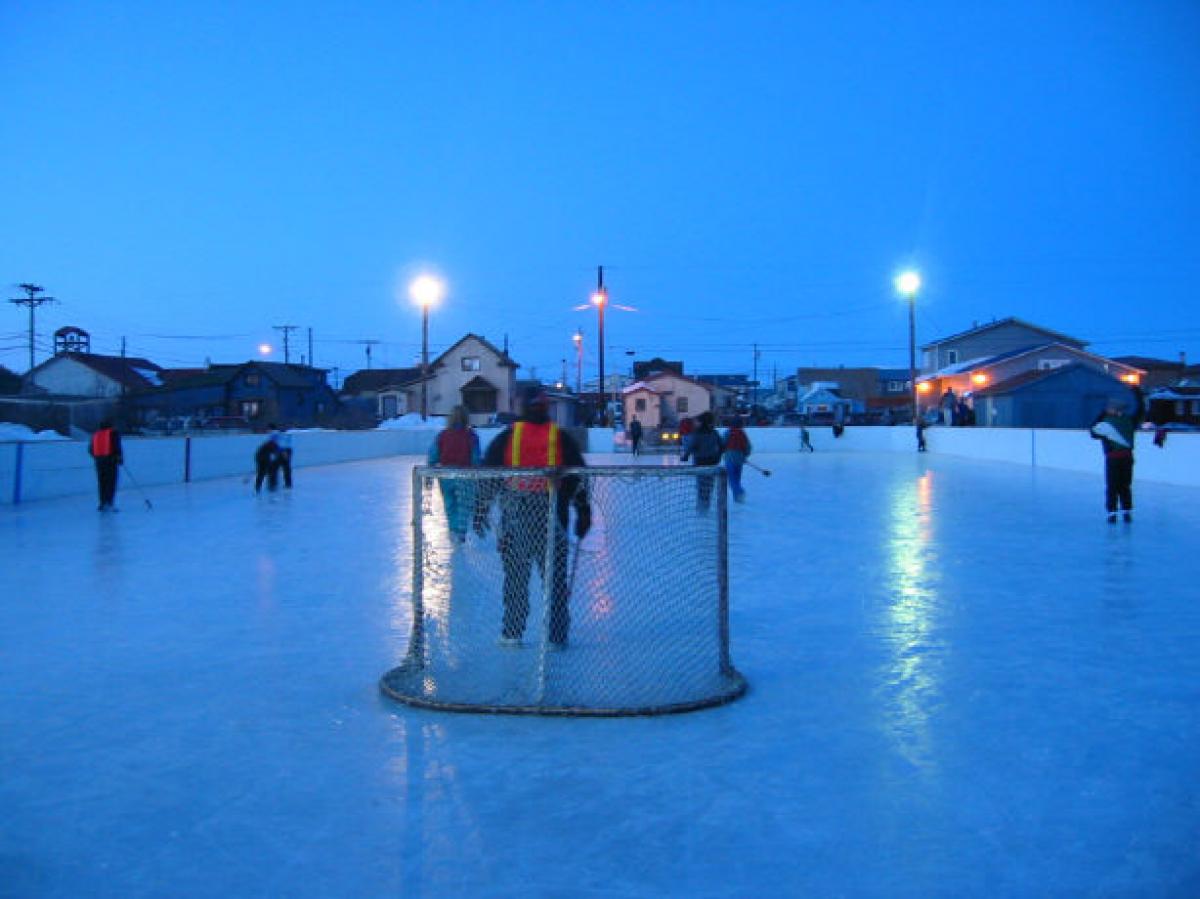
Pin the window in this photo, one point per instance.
(1196, 407)
(1050, 364)
(681, 404)
(951, 357)
(251, 408)
(897, 386)
(640, 404)
(470, 363)
(252, 379)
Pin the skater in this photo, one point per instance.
(635, 435)
(737, 451)
(534, 442)
(283, 458)
(921, 435)
(457, 447)
(265, 464)
(105, 450)
(1115, 428)
(686, 427)
(704, 448)
(949, 404)
(805, 440)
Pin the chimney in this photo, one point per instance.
(1183, 359)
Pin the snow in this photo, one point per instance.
(410, 420)
(10, 431)
(962, 682)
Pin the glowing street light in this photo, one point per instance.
(264, 349)
(578, 338)
(907, 285)
(425, 291)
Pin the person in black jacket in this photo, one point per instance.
(705, 448)
(1115, 428)
(534, 442)
(266, 464)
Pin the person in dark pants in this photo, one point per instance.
(921, 435)
(266, 467)
(1115, 428)
(704, 448)
(635, 435)
(105, 450)
(534, 442)
(283, 459)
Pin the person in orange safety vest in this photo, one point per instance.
(105, 450)
(534, 442)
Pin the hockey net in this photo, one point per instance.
(631, 620)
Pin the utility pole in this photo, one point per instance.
(33, 299)
(311, 364)
(754, 383)
(368, 344)
(578, 361)
(286, 330)
(600, 299)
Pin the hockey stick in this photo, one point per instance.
(766, 472)
(145, 498)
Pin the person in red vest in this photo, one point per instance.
(105, 450)
(457, 446)
(686, 426)
(535, 442)
(737, 451)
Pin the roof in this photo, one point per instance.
(638, 385)
(283, 374)
(979, 329)
(960, 368)
(129, 371)
(503, 356)
(372, 379)
(1149, 363)
(658, 376)
(1036, 376)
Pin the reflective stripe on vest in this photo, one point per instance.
(533, 446)
(102, 443)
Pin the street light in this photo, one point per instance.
(600, 300)
(907, 285)
(425, 291)
(264, 349)
(578, 338)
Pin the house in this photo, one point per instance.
(871, 394)
(10, 382)
(731, 393)
(382, 391)
(993, 339)
(823, 401)
(91, 375)
(663, 399)
(968, 378)
(263, 393)
(1066, 396)
(1158, 372)
(655, 366)
(473, 373)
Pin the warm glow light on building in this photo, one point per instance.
(1131, 378)
(979, 379)
(924, 387)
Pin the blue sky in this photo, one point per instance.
(746, 173)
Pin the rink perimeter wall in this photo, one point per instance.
(47, 469)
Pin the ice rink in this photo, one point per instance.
(963, 682)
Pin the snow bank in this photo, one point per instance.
(411, 420)
(10, 431)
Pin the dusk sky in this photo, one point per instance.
(187, 175)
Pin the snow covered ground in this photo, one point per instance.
(962, 682)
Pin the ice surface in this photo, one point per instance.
(963, 682)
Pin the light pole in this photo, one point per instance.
(425, 291)
(907, 285)
(578, 338)
(600, 300)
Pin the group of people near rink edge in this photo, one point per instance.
(536, 442)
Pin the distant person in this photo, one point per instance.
(805, 440)
(105, 450)
(534, 442)
(686, 427)
(1115, 428)
(921, 426)
(704, 448)
(949, 404)
(737, 451)
(265, 464)
(283, 458)
(635, 435)
(457, 446)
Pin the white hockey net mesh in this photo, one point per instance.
(632, 619)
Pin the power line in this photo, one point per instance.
(33, 300)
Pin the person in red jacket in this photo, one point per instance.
(534, 442)
(457, 447)
(737, 451)
(105, 450)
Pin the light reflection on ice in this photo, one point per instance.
(911, 620)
